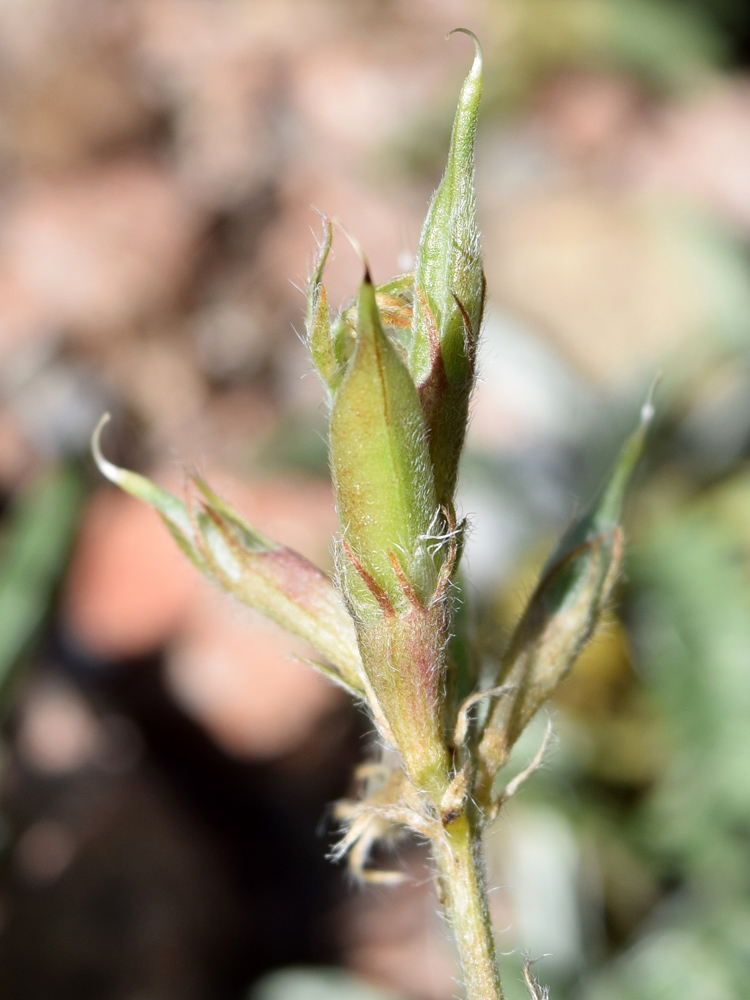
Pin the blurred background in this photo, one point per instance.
(167, 768)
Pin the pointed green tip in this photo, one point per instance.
(357, 247)
(368, 319)
(607, 510)
(166, 504)
(605, 514)
(476, 68)
(324, 249)
(648, 410)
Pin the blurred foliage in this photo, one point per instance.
(730, 16)
(33, 555)
(690, 595)
(664, 43)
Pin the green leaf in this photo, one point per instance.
(563, 611)
(272, 579)
(35, 547)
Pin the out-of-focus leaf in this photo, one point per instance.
(665, 42)
(694, 626)
(32, 559)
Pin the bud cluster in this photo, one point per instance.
(399, 363)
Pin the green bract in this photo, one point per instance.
(449, 281)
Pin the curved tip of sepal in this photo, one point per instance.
(107, 469)
(476, 68)
(138, 486)
(607, 510)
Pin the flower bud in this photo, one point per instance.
(449, 294)
(396, 562)
(394, 300)
(380, 462)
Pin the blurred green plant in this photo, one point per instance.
(33, 555)
(399, 365)
(666, 44)
(691, 619)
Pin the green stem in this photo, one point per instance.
(459, 857)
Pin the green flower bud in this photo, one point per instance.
(332, 346)
(381, 469)
(574, 588)
(394, 300)
(397, 562)
(449, 292)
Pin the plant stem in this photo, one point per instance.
(459, 857)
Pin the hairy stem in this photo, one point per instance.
(464, 896)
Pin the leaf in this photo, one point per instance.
(42, 522)
(275, 580)
(563, 611)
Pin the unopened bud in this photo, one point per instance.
(397, 558)
(380, 461)
(449, 294)
(394, 300)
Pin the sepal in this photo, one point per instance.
(319, 335)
